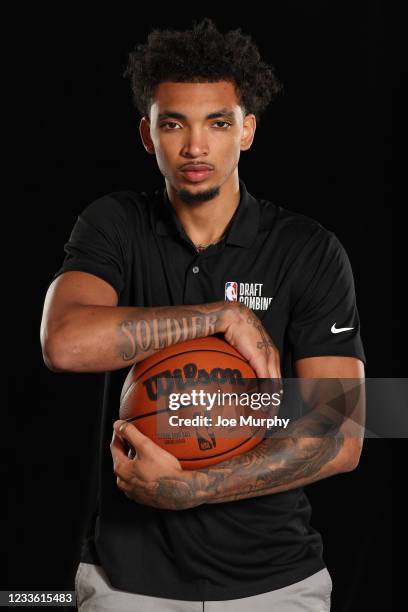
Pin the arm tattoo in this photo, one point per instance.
(276, 464)
(181, 495)
(297, 459)
(144, 335)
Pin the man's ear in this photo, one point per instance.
(144, 130)
(248, 132)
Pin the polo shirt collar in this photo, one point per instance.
(242, 232)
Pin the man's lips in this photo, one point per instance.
(198, 167)
(196, 172)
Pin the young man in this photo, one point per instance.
(236, 535)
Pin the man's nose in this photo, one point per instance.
(195, 144)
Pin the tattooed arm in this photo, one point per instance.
(326, 441)
(83, 330)
(309, 451)
(104, 338)
(275, 465)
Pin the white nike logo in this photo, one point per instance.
(336, 330)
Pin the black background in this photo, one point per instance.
(322, 149)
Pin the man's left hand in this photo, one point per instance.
(153, 476)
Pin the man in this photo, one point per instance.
(236, 535)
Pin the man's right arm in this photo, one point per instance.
(83, 329)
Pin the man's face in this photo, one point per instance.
(197, 131)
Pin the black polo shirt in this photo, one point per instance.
(296, 276)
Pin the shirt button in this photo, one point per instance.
(196, 269)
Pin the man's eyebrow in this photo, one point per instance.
(223, 112)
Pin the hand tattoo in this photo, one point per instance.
(266, 342)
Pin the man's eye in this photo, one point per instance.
(168, 123)
(223, 123)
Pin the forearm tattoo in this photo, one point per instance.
(311, 443)
(153, 334)
(275, 464)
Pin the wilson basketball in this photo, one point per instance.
(194, 400)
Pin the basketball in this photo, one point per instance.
(175, 397)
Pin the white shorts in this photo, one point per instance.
(95, 594)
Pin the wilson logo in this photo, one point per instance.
(167, 381)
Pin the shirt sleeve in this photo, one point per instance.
(324, 317)
(98, 243)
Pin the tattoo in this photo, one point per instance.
(273, 464)
(295, 460)
(179, 492)
(147, 335)
(266, 342)
(166, 492)
(276, 464)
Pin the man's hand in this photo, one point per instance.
(245, 332)
(153, 477)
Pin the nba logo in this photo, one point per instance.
(231, 291)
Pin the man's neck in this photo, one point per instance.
(206, 222)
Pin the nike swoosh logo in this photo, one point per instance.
(337, 330)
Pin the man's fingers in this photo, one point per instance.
(268, 368)
(275, 371)
(260, 366)
(123, 466)
(273, 365)
(132, 454)
(130, 432)
(122, 484)
(117, 449)
(136, 489)
(127, 482)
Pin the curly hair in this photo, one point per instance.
(202, 55)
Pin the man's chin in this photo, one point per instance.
(201, 196)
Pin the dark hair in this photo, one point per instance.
(201, 55)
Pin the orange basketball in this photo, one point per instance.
(206, 423)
